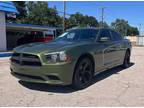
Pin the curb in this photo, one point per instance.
(6, 54)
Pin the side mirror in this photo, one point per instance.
(104, 39)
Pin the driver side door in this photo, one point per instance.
(107, 48)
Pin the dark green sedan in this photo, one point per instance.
(72, 58)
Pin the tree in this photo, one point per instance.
(132, 31)
(77, 18)
(105, 25)
(39, 13)
(122, 26)
(90, 21)
(81, 20)
(21, 7)
(70, 23)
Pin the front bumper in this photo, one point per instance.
(61, 73)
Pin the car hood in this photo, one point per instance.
(49, 46)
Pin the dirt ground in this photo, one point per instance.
(115, 87)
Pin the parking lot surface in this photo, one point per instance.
(115, 87)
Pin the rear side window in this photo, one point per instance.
(104, 33)
(116, 36)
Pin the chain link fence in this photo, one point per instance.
(136, 40)
(140, 41)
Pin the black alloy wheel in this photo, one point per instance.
(83, 73)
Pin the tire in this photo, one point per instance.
(83, 74)
(126, 62)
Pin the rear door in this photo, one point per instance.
(118, 44)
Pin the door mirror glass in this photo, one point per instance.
(104, 39)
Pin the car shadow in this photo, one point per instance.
(108, 73)
(69, 89)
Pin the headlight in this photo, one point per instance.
(56, 57)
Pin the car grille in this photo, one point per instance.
(26, 59)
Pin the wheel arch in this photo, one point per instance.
(90, 56)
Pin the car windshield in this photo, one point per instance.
(79, 34)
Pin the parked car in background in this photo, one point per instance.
(36, 36)
(72, 58)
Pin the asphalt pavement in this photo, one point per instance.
(115, 87)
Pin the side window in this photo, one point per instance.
(104, 33)
(116, 36)
(88, 34)
(84, 34)
(94, 33)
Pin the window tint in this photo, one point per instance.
(104, 33)
(88, 34)
(116, 36)
(79, 34)
(71, 35)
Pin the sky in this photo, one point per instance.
(133, 12)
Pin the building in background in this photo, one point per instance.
(5, 7)
(18, 34)
(12, 34)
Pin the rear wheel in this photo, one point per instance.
(126, 62)
(83, 73)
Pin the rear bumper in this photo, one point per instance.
(60, 74)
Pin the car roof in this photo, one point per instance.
(91, 28)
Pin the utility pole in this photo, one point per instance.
(64, 13)
(140, 29)
(102, 16)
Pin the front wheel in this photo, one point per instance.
(126, 62)
(83, 73)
